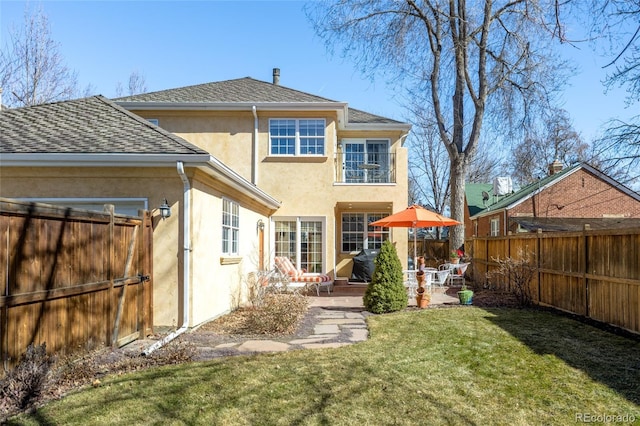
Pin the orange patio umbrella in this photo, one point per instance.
(415, 217)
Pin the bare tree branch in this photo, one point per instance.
(469, 60)
(32, 69)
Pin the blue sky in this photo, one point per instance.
(179, 43)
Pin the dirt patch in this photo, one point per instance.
(494, 298)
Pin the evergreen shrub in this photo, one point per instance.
(386, 292)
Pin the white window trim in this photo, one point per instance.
(298, 220)
(495, 230)
(366, 238)
(231, 228)
(364, 141)
(296, 147)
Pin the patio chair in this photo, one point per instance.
(297, 278)
(441, 277)
(457, 273)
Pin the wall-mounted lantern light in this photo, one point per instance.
(165, 209)
(260, 225)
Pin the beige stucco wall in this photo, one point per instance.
(306, 186)
(227, 135)
(220, 282)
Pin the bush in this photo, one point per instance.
(39, 377)
(514, 274)
(278, 313)
(386, 292)
(27, 380)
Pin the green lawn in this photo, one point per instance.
(436, 366)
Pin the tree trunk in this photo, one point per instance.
(458, 173)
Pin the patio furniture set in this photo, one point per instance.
(446, 274)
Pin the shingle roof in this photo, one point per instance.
(245, 90)
(93, 125)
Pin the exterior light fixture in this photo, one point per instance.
(260, 225)
(165, 209)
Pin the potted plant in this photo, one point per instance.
(454, 257)
(465, 295)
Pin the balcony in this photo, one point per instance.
(360, 168)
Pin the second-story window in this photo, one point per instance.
(366, 161)
(296, 137)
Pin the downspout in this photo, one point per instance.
(186, 253)
(254, 171)
(505, 223)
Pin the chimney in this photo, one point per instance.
(555, 167)
(276, 76)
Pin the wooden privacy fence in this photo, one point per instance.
(591, 273)
(434, 251)
(72, 279)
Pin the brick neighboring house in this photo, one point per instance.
(565, 200)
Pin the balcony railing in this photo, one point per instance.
(366, 168)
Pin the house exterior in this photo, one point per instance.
(89, 152)
(333, 168)
(566, 200)
(250, 169)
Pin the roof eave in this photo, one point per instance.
(205, 162)
(402, 127)
(97, 160)
(219, 170)
(340, 107)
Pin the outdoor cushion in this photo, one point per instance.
(285, 266)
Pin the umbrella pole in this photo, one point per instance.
(415, 248)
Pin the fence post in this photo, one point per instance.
(538, 260)
(587, 227)
(110, 209)
(146, 314)
(4, 309)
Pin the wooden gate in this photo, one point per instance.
(72, 279)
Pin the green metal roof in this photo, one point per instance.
(473, 192)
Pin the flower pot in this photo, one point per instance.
(422, 298)
(424, 302)
(454, 260)
(465, 297)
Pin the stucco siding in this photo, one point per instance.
(220, 281)
(306, 185)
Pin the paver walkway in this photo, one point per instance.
(333, 329)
